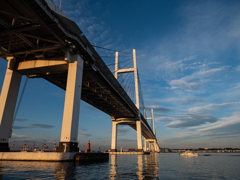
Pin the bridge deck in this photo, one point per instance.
(36, 30)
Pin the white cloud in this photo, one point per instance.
(238, 68)
(195, 80)
(198, 116)
(20, 137)
(183, 84)
(123, 130)
(84, 135)
(163, 119)
(184, 100)
(189, 58)
(224, 122)
(158, 108)
(226, 127)
(211, 107)
(192, 120)
(82, 129)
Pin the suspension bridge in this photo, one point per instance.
(39, 41)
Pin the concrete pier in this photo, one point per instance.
(37, 156)
(52, 156)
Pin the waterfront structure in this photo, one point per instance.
(25, 146)
(45, 147)
(11, 147)
(42, 42)
(88, 148)
(55, 146)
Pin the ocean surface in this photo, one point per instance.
(154, 166)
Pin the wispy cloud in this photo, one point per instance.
(227, 127)
(20, 127)
(192, 120)
(211, 107)
(238, 68)
(84, 135)
(158, 108)
(43, 126)
(163, 119)
(197, 116)
(81, 133)
(184, 100)
(195, 81)
(81, 129)
(20, 119)
(230, 124)
(123, 130)
(21, 137)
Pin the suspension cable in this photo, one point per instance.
(110, 49)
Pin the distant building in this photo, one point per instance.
(166, 150)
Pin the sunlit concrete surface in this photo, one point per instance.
(37, 156)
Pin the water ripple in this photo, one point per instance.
(168, 166)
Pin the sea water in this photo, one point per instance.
(154, 166)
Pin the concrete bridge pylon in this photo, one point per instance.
(69, 134)
(138, 119)
(8, 100)
(152, 142)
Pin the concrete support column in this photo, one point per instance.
(8, 101)
(139, 136)
(69, 134)
(152, 146)
(145, 145)
(116, 65)
(114, 137)
(136, 79)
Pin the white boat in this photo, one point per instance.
(188, 153)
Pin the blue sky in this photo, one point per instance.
(188, 60)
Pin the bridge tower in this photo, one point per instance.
(138, 120)
(69, 134)
(73, 64)
(152, 142)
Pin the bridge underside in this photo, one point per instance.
(30, 31)
(36, 34)
(95, 90)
